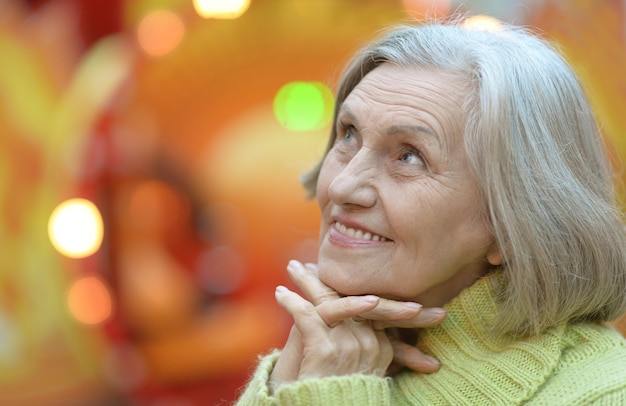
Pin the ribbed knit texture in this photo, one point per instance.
(577, 364)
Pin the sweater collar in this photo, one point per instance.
(479, 366)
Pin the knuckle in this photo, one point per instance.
(369, 342)
(387, 354)
(326, 296)
(327, 348)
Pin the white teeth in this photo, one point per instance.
(357, 234)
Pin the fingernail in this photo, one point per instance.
(433, 361)
(294, 264)
(281, 289)
(370, 299)
(311, 265)
(438, 311)
(412, 305)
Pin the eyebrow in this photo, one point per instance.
(395, 129)
(347, 112)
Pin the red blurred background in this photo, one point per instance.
(176, 126)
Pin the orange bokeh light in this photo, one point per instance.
(89, 300)
(160, 32)
(426, 9)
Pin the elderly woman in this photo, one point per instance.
(469, 234)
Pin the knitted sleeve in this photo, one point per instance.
(351, 390)
(256, 392)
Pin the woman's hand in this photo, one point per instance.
(313, 346)
(314, 349)
(392, 315)
(336, 344)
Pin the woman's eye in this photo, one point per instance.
(412, 157)
(348, 133)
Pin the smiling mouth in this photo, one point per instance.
(357, 234)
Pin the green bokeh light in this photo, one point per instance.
(304, 106)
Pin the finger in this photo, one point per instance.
(385, 352)
(388, 309)
(376, 352)
(309, 318)
(305, 278)
(412, 358)
(425, 318)
(304, 314)
(287, 367)
(335, 311)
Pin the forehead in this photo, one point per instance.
(391, 93)
(389, 83)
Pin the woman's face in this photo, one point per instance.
(401, 213)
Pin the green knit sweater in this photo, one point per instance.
(576, 364)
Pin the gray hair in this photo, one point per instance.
(536, 151)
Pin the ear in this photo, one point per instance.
(494, 255)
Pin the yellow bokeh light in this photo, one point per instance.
(227, 9)
(160, 32)
(89, 300)
(482, 23)
(76, 228)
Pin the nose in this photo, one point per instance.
(354, 184)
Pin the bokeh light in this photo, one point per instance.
(304, 106)
(75, 228)
(227, 9)
(89, 301)
(425, 9)
(159, 32)
(482, 23)
(157, 208)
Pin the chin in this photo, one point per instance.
(344, 286)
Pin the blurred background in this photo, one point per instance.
(150, 152)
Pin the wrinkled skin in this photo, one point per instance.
(402, 228)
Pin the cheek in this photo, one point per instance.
(323, 200)
(321, 194)
(472, 224)
(323, 182)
